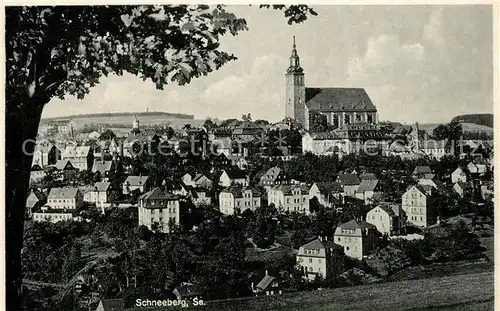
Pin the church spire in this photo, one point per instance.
(294, 59)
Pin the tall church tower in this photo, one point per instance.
(295, 89)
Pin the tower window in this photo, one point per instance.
(347, 119)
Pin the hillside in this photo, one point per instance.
(485, 119)
(474, 292)
(124, 114)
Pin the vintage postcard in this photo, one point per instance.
(249, 157)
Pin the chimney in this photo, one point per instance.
(326, 238)
(266, 273)
(320, 238)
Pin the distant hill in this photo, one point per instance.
(485, 119)
(124, 114)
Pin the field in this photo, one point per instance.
(467, 127)
(145, 120)
(457, 292)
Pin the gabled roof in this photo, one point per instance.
(76, 151)
(102, 186)
(329, 187)
(271, 174)
(159, 193)
(236, 174)
(463, 185)
(265, 282)
(389, 208)
(424, 189)
(288, 189)
(320, 244)
(348, 179)
(102, 166)
(63, 164)
(423, 169)
(136, 180)
(63, 193)
(237, 191)
(354, 224)
(112, 304)
(367, 176)
(338, 99)
(367, 185)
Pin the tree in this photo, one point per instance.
(54, 51)
(317, 122)
(107, 135)
(247, 117)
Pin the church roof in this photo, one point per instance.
(339, 99)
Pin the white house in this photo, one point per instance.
(232, 177)
(458, 175)
(159, 208)
(289, 198)
(320, 257)
(419, 205)
(389, 219)
(235, 198)
(327, 193)
(358, 238)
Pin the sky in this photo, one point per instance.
(417, 63)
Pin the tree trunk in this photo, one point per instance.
(22, 120)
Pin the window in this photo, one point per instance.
(161, 219)
(161, 210)
(310, 260)
(152, 211)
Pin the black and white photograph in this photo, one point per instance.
(249, 157)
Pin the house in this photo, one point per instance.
(388, 218)
(274, 176)
(81, 157)
(434, 182)
(367, 189)
(94, 135)
(139, 141)
(111, 305)
(247, 130)
(420, 171)
(433, 148)
(358, 238)
(64, 165)
(159, 209)
(458, 175)
(37, 173)
(289, 198)
(199, 197)
(46, 154)
(234, 176)
(67, 198)
(462, 188)
(349, 184)
(105, 168)
(268, 285)
(35, 200)
(321, 257)
(99, 193)
(48, 214)
(141, 183)
(327, 143)
(239, 161)
(177, 187)
(238, 199)
(478, 166)
(367, 176)
(197, 180)
(327, 193)
(418, 202)
(220, 161)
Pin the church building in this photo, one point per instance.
(341, 106)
